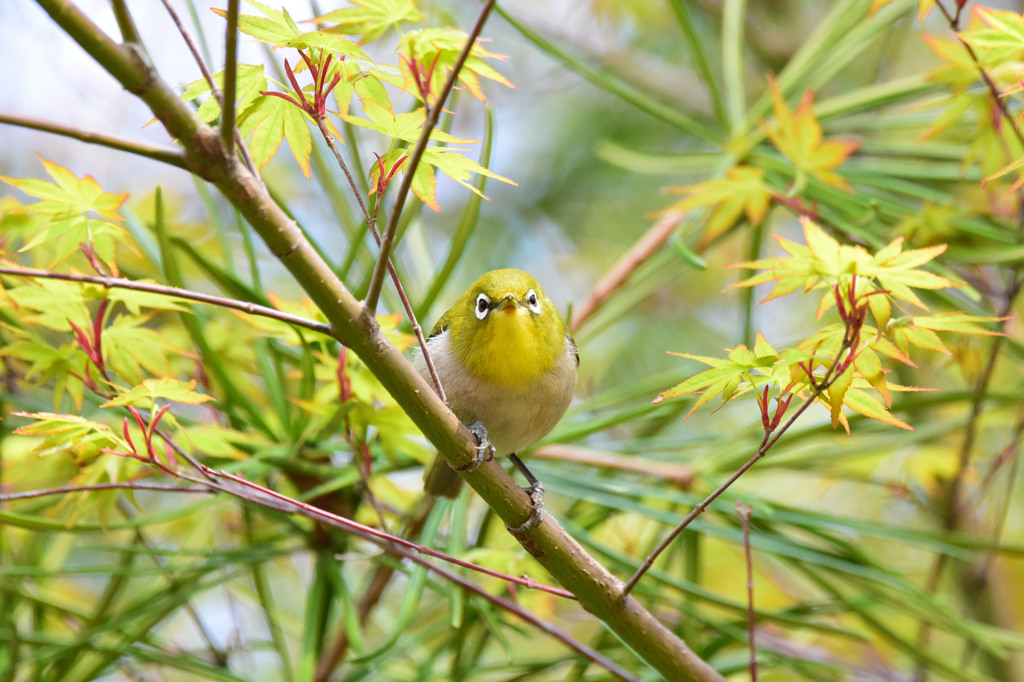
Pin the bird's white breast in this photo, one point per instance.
(515, 417)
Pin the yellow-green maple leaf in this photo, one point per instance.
(67, 196)
(370, 19)
(167, 389)
(741, 191)
(824, 262)
(797, 134)
(997, 36)
(435, 50)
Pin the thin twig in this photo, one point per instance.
(744, 513)
(166, 155)
(192, 48)
(388, 238)
(344, 168)
(227, 105)
(123, 485)
(119, 283)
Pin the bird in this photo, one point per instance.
(508, 365)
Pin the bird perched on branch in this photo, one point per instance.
(507, 364)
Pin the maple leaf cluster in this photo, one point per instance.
(840, 364)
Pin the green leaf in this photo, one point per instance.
(797, 134)
(436, 50)
(168, 389)
(741, 191)
(268, 122)
(371, 18)
(457, 166)
(51, 303)
(335, 44)
(406, 127)
(861, 402)
(249, 82)
(135, 301)
(70, 203)
(961, 323)
(68, 195)
(728, 378)
(130, 347)
(1000, 39)
(824, 262)
(82, 437)
(276, 27)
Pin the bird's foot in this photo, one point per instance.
(484, 450)
(536, 493)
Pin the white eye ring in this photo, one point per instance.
(483, 306)
(533, 302)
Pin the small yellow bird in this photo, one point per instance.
(508, 366)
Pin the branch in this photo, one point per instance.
(433, 115)
(744, 513)
(164, 154)
(125, 23)
(163, 290)
(227, 105)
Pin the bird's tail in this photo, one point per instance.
(440, 480)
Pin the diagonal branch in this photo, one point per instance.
(434, 114)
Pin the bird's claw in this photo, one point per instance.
(484, 449)
(536, 493)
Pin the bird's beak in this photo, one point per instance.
(509, 304)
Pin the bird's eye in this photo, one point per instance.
(532, 302)
(483, 306)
